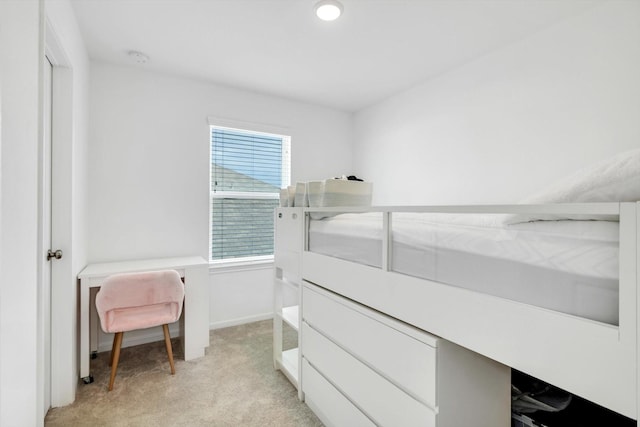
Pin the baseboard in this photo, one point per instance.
(240, 321)
(153, 335)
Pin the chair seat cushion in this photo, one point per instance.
(130, 318)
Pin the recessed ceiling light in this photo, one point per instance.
(138, 57)
(328, 10)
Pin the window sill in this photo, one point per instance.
(232, 266)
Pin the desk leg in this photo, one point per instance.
(182, 331)
(196, 311)
(94, 323)
(84, 333)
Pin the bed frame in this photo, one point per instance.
(596, 361)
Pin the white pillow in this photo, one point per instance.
(613, 180)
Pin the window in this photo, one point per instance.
(248, 169)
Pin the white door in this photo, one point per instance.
(46, 233)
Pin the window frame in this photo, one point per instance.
(257, 261)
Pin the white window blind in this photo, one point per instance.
(247, 171)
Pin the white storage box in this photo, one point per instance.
(301, 199)
(338, 192)
(284, 198)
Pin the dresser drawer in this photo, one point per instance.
(328, 403)
(405, 360)
(378, 398)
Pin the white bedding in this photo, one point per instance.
(566, 266)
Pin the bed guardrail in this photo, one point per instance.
(606, 210)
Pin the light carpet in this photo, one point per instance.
(235, 384)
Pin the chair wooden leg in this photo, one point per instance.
(115, 356)
(113, 350)
(167, 343)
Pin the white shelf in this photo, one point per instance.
(290, 363)
(290, 315)
(287, 295)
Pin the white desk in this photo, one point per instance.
(195, 327)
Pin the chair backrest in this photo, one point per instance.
(129, 290)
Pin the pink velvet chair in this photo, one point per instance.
(132, 301)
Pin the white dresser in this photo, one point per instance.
(355, 366)
(363, 368)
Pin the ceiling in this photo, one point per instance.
(278, 47)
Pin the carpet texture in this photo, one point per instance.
(235, 384)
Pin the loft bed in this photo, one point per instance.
(588, 348)
(547, 287)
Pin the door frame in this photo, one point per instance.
(44, 239)
(63, 322)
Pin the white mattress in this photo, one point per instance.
(566, 266)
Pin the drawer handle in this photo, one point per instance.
(294, 215)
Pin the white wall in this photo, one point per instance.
(149, 170)
(22, 43)
(510, 122)
(241, 296)
(149, 156)
(19, 108)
